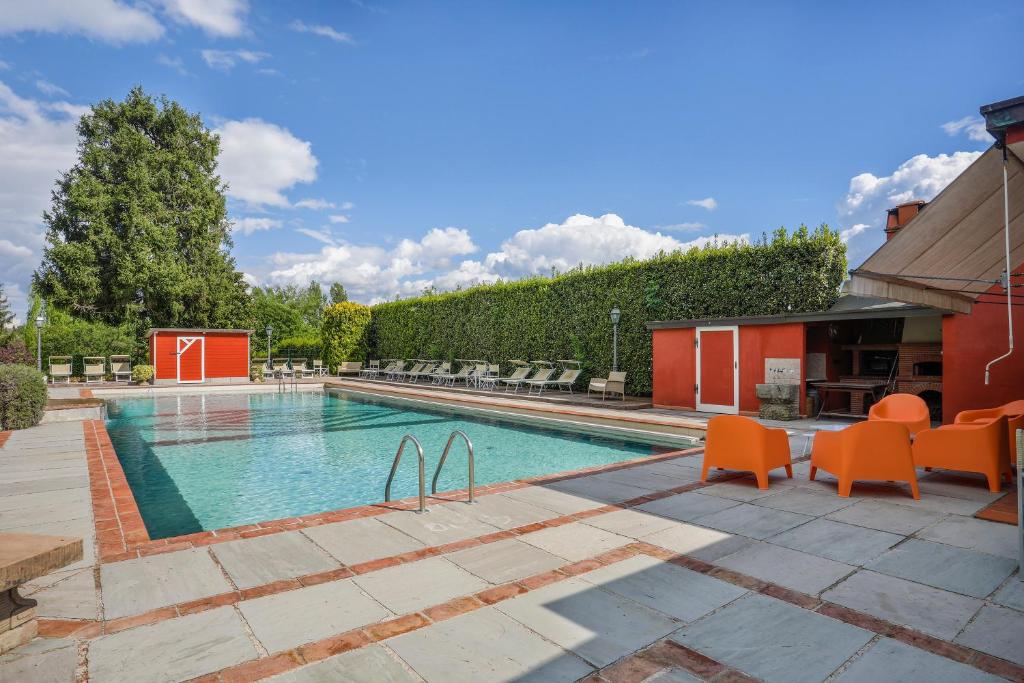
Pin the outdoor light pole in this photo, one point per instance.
(615, 315)
(270, 330)
(39, 341)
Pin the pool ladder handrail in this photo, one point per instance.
(394, 468)
(444, 456)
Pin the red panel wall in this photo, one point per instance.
(674, 368)
(162, 351)
(227, 354)
(971, 341)
(717, 367)
(758, 342)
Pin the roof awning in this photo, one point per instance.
(958, 236)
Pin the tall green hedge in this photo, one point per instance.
(343, 333)
(566, 316)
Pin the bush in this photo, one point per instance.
(566, 316)
(298, 346)
(142, 373)
(15, 351)
(22, 396)
(256, 373)
(344, 331)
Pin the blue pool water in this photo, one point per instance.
(197, 463)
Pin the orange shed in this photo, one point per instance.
(190, 356)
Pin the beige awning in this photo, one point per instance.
(958, 235)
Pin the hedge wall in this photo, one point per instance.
(566, 316)
(343, 333)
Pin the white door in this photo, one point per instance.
(718, 369)
(191, 352)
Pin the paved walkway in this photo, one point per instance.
(637, 574)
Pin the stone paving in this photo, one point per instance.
(635, 574)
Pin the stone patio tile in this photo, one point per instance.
(929, 501)
(45, 499)
(896, 519)
(976, 534)
(673, 675)
(438, 526)
(1012, 594)
(173, 650)
(805, 502)
(485, 645)
(47, 660)
(677, 469)
(891, 660)
(600, 491)
(371, 664)
(934, 611)
(265, 559)
(965, 485)
(292, 618)
(597, 625)
(837, 541)
(668, 588)
(790, 568)
(67, 595)
(774, 641)
(943, 566)
(633, 523)
(24, 518)
(411, 587)
(687, 507)
(753, 521)
(361, 540)
(744, 490)
(645, 479)
(41, 484)
(998, 631)
(502, 512)
(550, 499)
(136, 586)
(504, 561)
(697, 541)
(575, 541)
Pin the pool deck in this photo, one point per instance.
(631, 572)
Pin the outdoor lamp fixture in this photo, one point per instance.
(40, 319)
(270, 331)
(615, 315)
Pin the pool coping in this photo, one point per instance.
(121, 532)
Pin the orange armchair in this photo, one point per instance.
(876, 450)
(968, 447)
(905, 409)
(739, 443)
(1014, 412)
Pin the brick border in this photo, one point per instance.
(4, 436)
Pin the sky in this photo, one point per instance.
(394, 146)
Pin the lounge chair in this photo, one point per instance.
(442, 370)
(425, 371)
(542, 375)
(95, 369)
(974, 447)
(740, 443)
(906, 409)
(517, 377)
(489, 380)
(60, 369)
(350, 367)
(562, 382)
(395, 370)
(401, 375)
(298, 366)
(876, 450)
(121, 368)
(281, 368)
(450, 379)
(479, 370)
(371, 370)
(615, 384)
(1014, 412)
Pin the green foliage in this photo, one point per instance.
(141, 374)
(566, 316)
(338, 293)
(6, 318)
(293, 312)
(22, 396)
(303, 346)
(138, 233)
(15, 351)
(64, 335)
(344, 333)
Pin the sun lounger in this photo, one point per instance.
(443, 370)
(450, 379)
(402, 375)
(489, 380)
(563, 382)
(95, 368)
(298, 366)
(350, 367)
(281, 368)
(121, 368)
(395, 370)
(615, 384)
(517, 377)
(425, 371)
(371, 370)
(60, 369)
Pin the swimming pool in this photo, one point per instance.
(202, 462)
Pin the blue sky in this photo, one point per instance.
(397, 145)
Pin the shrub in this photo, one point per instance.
(566, 316)
(256, 373)
(22, 396)
(142, 373)
(344, 331)
(298, 346)
(15, 351)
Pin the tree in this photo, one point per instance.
(338, 293)
(6, 317)
(138, 231)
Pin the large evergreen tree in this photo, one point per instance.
(138, 229)
(6, 317)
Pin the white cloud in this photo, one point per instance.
(215, 17)
(708, 203)
(318, 235)
(4, 66)
(973, 126)
(108, 20)
(314, 204)
(226, 60)
(51, 89)
(321, 30)
(854, 230)
(249, 225)
(260, 160)
(691, 226)
(338, 218)
(250, 279)
(347, 206)
(175, 63)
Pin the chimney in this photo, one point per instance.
(900, 215)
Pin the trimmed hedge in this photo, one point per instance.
(566, 316)
(343, 333)
(142, 374)
(22, 396)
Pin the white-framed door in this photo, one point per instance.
(191, 354)
(718, 369)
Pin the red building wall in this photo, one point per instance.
(227, 354)
(675, 369)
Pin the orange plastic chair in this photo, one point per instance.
(740, 443)
(969, 447)
(905, 409)
(874, 450)
(1014, 412)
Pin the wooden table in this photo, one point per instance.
(869, 387)
(24, 557)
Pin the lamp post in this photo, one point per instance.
(269, 331)
(615, 315)
(39, 341)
